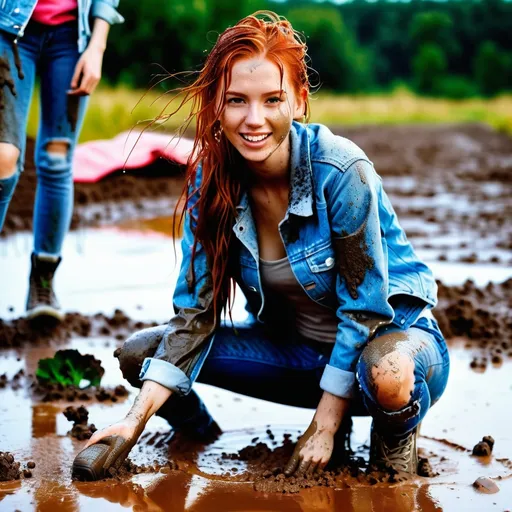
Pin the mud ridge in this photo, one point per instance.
(16, 332)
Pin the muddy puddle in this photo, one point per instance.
(455, 214)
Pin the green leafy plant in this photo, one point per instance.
(70, 368)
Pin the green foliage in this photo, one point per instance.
(355, 46)
(493, 68)
(70, 368)
(456, 87)
(429, 67)
(431, 27)
(332, 48)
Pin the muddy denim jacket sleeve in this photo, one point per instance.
(362, 270)
(187, 339)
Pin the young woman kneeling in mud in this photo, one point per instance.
(339, 302)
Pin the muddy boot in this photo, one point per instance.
(394, 451)
(102, 459)
(41, 301)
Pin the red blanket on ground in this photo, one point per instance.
(129, 150)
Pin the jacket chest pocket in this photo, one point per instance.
(318, 272)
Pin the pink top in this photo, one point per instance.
(55, 12)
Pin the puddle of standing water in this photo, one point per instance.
(135, 270)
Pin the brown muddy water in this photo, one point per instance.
(475, 404)
(451, 188)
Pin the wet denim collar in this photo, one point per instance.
(301, 178)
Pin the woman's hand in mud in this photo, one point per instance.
(314, 448)
(87, 72)
(313, 451)
(129, 429)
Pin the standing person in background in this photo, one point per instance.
(51, 39)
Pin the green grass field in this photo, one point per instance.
(114, 110)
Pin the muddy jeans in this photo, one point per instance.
(51, 53)
(289, 371)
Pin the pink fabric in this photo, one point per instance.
(55, 12)
(129, 150)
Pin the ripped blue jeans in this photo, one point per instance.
(50, 53)
(288, 370)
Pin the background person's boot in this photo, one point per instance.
(394, 451)
(41, 300)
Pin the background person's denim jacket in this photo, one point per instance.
(15, 14)
(346, 249)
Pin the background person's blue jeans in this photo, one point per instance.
(50, 52)
(288, 371)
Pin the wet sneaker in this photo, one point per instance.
(41, 299)
(397, 452)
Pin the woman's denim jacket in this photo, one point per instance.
(346, 249)
(15, 14)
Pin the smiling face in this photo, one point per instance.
(258, 111)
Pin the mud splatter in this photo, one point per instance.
(17, 61)
(5, 79)
(353, 259)
(73, 105)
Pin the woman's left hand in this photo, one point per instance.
(313, 451)
(314, 448)
(87, 72)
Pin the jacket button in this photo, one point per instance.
(329, 261)
(16, 27)
(252, 289)
(402, 321)
(16, 11)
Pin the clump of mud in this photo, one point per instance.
(79, 416)
(15, 383)
(484, 447)
(57, 392)
(265, 467)
(9, 468)
(129, 468)
(483, 315)
(118, 326)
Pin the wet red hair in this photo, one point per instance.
(262, 34)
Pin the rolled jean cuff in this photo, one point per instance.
(338, 382)
(165, 374)
(106, 12)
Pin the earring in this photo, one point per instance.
(217, 131)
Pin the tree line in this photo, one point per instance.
(454, 48)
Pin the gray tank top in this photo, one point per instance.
(312, 320)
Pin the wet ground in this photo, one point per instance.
(454, 211)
